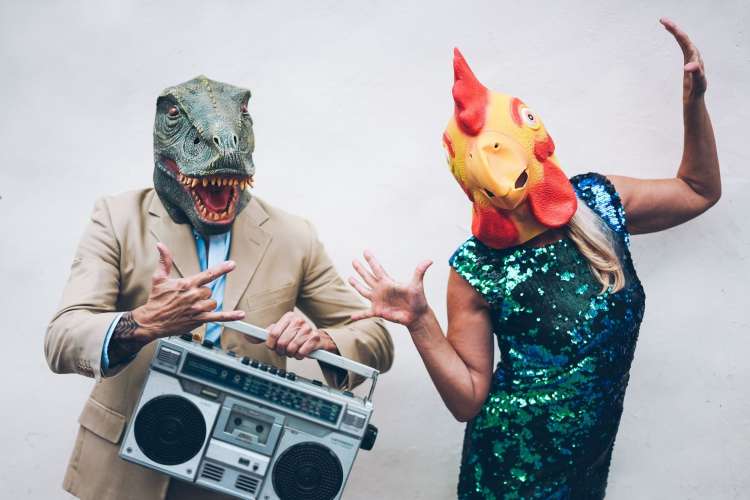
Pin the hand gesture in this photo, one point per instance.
(178, 305)
(694, 79)
(392, 301)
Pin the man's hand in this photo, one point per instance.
(178, 305)
(294, 336)
(174, 306)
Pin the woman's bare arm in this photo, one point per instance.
(658, 204)
(460, 364)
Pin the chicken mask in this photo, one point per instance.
(503, 158)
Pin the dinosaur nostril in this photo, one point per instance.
(234, 138)
(521, 181)
(196, 140)
(216, 140)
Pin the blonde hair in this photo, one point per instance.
(595, 240)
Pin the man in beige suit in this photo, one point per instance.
(194, 251)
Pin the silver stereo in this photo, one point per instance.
(247, 429)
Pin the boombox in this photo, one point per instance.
(246, 429)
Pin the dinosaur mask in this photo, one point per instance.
(503, 158)
(203, 145)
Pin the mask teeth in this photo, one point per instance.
(215, 180)
(209, 215)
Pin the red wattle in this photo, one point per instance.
(553, 200)
(494, 229)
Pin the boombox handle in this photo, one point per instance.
(320, 355)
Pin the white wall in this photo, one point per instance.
(350, 99)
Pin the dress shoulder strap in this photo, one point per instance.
(601, 196)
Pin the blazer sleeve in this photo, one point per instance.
(329, 303)
(75, 336)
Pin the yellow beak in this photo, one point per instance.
(497, 166)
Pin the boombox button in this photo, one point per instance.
(263, 367)
(281, 372)
(209, 393)
(207, 343)
(318, 383)
(349, 393)
(273, 370)
(254, 364)
(245, 360)
(291, 376)
(232, 353)
(187, 337)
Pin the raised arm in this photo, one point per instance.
(460, 364)
(658, 204)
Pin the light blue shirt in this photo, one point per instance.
(217, 252)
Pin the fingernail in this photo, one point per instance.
(231, 263)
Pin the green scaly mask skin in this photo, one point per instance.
(203, 147)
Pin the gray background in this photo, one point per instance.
(350, 99)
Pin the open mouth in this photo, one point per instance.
(215, 196)
(521, 181)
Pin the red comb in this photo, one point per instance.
(469, 95)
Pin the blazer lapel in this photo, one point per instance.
(178, 238)
(248, 246)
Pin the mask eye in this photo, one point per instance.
(173, 112)
(529, 118)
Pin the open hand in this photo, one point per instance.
(694, 79)
(392, 301)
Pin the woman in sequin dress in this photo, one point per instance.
(549, 273)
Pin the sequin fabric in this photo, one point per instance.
(548, 426)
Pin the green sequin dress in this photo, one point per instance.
(549, 423)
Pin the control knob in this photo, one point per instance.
(368, 441)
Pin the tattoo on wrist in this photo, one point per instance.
(124, 342)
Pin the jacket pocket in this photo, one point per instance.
(102, 421)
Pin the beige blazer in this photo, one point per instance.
(280, 265)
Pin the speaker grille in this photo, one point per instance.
(246, 483)
(307, 471)
(168, 356)
(212, 472)
(170, 430)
